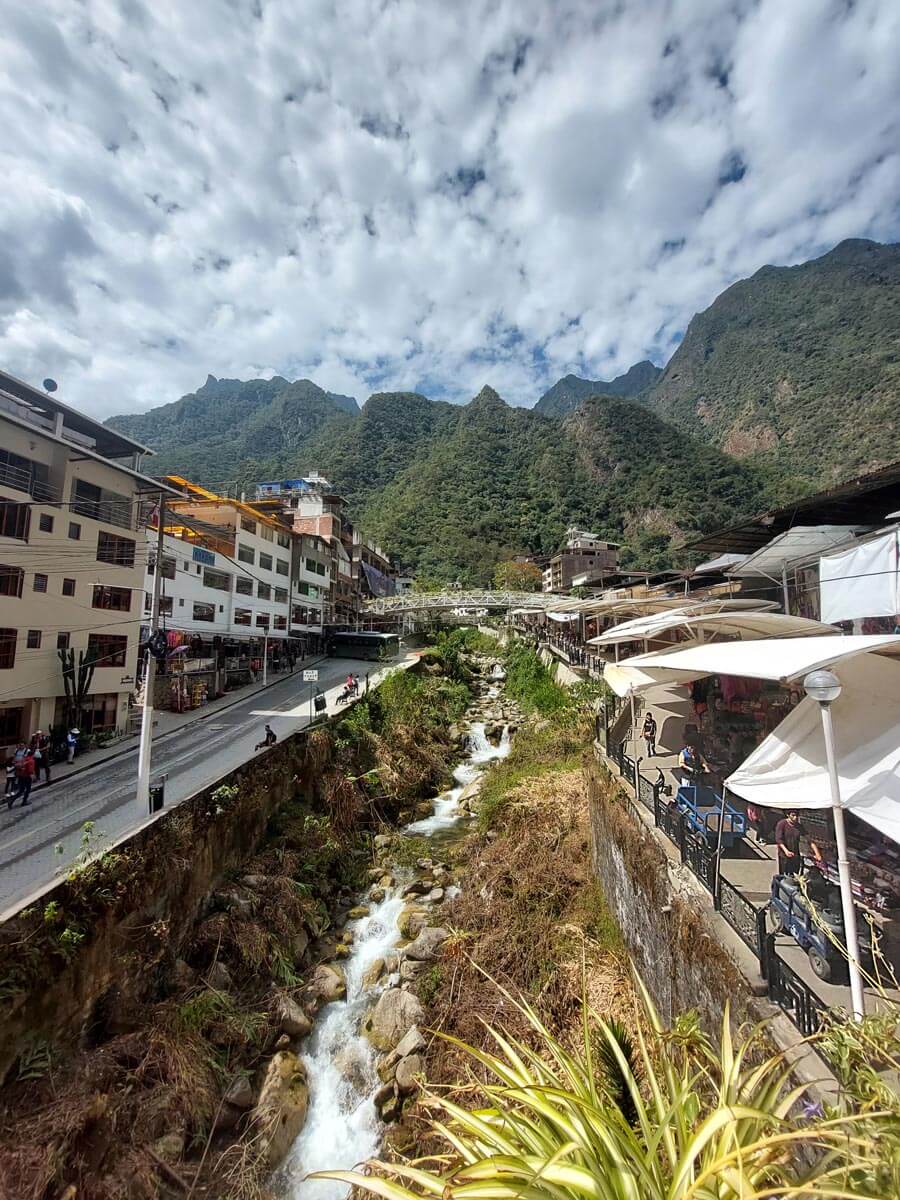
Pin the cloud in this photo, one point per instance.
(418, 196)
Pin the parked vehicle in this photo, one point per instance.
(809, 923)
(702, 809)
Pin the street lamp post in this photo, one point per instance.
(825, 687)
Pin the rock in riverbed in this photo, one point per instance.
(395, 1013)
(282, 1107)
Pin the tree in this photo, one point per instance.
(77, 680)
(518, 577)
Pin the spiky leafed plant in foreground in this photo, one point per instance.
(643, 1118)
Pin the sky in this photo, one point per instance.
(428, 195)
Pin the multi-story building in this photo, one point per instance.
(583, 553)
(73, 506)
(228, 567)
(371, 567)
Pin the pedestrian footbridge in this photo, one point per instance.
(460, 602)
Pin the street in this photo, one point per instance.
(41, 842)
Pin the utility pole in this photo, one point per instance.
(265, 658)
(143, 782)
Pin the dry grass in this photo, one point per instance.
(532, 917)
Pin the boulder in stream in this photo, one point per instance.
(291, 1018)
(282, 1106)
(395, 1013)
(427, 945)
(407, 1071)
(328, 983)
(411, 921)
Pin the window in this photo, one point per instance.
(11, 579)
(281, 622)
(74, 531)
(216, 579)
(247, 525)
(33, 639)
(198, 568)
(283, 540)
(62, 641)
(14, 520)
(242, 616)
(25, 475)
(165, 606)
(89, 500)
(113, 549)
(115, 598)
(204, 612)
(263, 591)
(265, 561)
(68, 587)
(316, 568)
(40, 582)
(45, 523)
(282, 566)
(108, 649)
(148, 602)
(243, 586)
(267, 534)
(100, 712)
(246, 555)
(262, 620)
(10, 725)
(281, 595)
(298, 615)
(7, 649)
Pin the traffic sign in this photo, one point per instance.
(310, 676)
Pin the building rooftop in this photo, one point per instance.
(863, 500)
(36, 407)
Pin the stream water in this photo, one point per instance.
(342, 1128)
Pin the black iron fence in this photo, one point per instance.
(694, 849)
(746, 919)
(792, 993)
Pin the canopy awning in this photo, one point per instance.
(742, 624)
(789, 768)
(781, 660)
(562, 616)
(801, 542)
(722, 563)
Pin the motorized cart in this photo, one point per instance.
(703, 812)
(816, 925)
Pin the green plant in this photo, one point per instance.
(629, 1124)
(35, 1061)
(429, 984)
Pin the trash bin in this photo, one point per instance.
(157, 795)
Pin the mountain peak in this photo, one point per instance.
(487, 397)
(566, 395)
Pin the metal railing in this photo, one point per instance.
(746, 919)
(24, 481)
(792, 993)
(694, 850)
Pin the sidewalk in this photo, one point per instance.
(166, 723)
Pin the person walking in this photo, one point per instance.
(788, 833)
(40, 745)
(25, 777)
(648, 733)
(71, 744)
(10, 777)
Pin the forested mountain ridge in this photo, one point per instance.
(796, 368)
(790, 379)
(570, 391)
(214, 434)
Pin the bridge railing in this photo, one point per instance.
(474, 599)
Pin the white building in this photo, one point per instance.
(73, 504)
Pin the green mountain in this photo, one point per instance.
(567, 393)
(797, 368)
(228, 430)
(501, 480)
(790, 380)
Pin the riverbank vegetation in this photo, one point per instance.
(159, 1091)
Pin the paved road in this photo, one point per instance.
(39, 842)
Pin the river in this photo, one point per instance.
(342, 1128)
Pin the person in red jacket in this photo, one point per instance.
(25, 772)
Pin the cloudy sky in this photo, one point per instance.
(418, 194)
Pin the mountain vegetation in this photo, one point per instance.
(790, 380)
(796, 368)
(570, 391)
